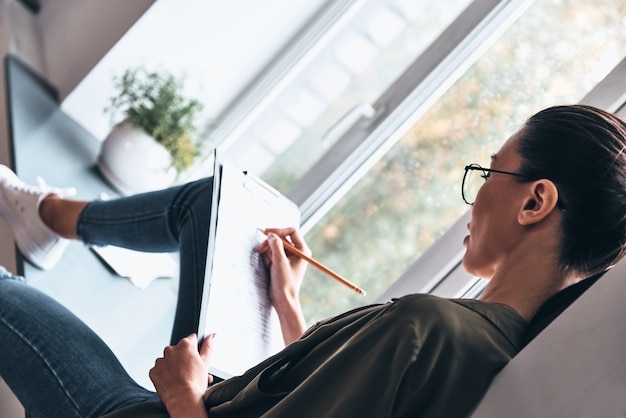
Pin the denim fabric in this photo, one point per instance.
(175, 219)
(53, 362)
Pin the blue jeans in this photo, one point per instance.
(54, 363)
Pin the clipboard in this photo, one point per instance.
(235, 299)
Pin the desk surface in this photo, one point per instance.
(135, 323)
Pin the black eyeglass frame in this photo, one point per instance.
(486, 173)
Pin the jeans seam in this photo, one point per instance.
(188, 217)
(38, 353)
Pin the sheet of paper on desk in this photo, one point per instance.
(138, 267)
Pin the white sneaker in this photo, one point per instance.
(19, 205)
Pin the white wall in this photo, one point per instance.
(77, 34)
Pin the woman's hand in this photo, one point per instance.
(286, 273)
(181, 377)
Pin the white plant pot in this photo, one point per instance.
(133, 162)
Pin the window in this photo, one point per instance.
(337, 70)
(409, 198)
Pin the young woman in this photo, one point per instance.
(549, 212)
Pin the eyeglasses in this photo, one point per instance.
(475, 176)
(473, 179)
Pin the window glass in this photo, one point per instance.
(553, 54)
(353, 68)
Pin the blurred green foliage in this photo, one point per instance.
(153, 101)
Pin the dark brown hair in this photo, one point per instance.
(582, 150)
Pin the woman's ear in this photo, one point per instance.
(542, 198)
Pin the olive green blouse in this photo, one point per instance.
(417, 356)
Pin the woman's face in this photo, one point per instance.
(493, 226)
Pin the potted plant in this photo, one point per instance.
(152, 140)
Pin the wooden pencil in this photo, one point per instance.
(292, 249)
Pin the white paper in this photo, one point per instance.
(139, 267)
(239, 310)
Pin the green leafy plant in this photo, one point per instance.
(153, 102)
